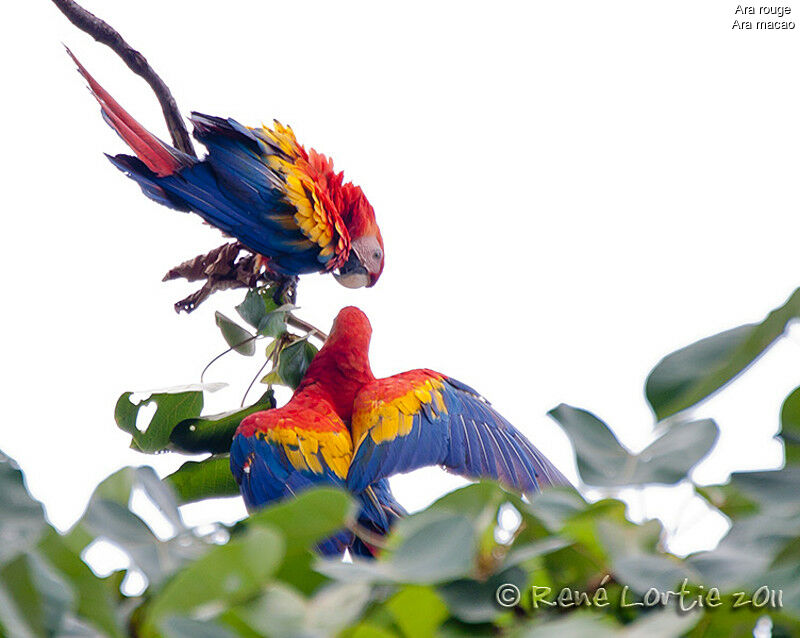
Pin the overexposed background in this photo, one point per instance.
(567, 191)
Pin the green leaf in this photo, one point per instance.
(666, 623)
(671, 457)
(728, 500)
(336, 606)
(772, 487)
(369, 630)
(181, 627)
(474, 500)
(524, 552)
(790, 427)
(273, 324)
(412, 557)
(117, 487)
(312, 516)
(21, 518)
(227, 574)
(575, 624)
(107, 516)
(198, 480)
(235, 336)
(34, 600)
(601, 458)
(272, 378)
(257, 304)
(283, 611)
(603, 462)
(279, 611)
(96, 599)
(640, 572)
(214, 433)
(418, 560)
(114, 522)
(171, 409)
(662, 623)
(418, 611)
(161, 495)
(294, 361)
(474, 601)
(554, 506)
(689, 375)
(744, 556)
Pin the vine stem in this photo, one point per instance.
(106, 34)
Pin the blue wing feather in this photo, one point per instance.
(265, 475)
(469, 437)
(235, 191)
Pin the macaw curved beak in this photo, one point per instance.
(353, 274)
(373, 277)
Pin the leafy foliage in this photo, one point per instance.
(604, 462)
(198, 434)
(442, 570)
(294, 361)
(199, 480)
(689, 375)
(238, 338)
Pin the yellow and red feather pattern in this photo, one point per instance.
(307, 178)
(385, 409)
(278, 453)
(258, 185)
(308, 432)
(421, 417)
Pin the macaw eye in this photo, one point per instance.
(377, 255)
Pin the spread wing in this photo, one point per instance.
(283, 191)
(421, 418)
(278, 453)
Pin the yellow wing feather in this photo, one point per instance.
(385, 417)
(314, 218)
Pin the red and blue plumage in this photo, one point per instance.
(262, 187)
(422, 418)
(278, 453)
(345, 427)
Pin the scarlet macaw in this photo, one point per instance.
(260, 186)
(347, 428)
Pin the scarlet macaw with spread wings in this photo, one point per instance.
(346, 428)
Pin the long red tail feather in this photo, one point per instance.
(156, 155)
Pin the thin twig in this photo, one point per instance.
(106, 34)
(222, 354)
(258, 374)
(296, 322)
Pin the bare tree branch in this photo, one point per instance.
(106, 34)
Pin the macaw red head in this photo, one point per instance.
(341, 367)
(364, 264)
(351, 326)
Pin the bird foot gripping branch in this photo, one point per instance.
(228, 267)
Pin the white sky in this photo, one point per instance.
(568, 192)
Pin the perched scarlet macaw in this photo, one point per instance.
(347, 428)
(260, 186)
